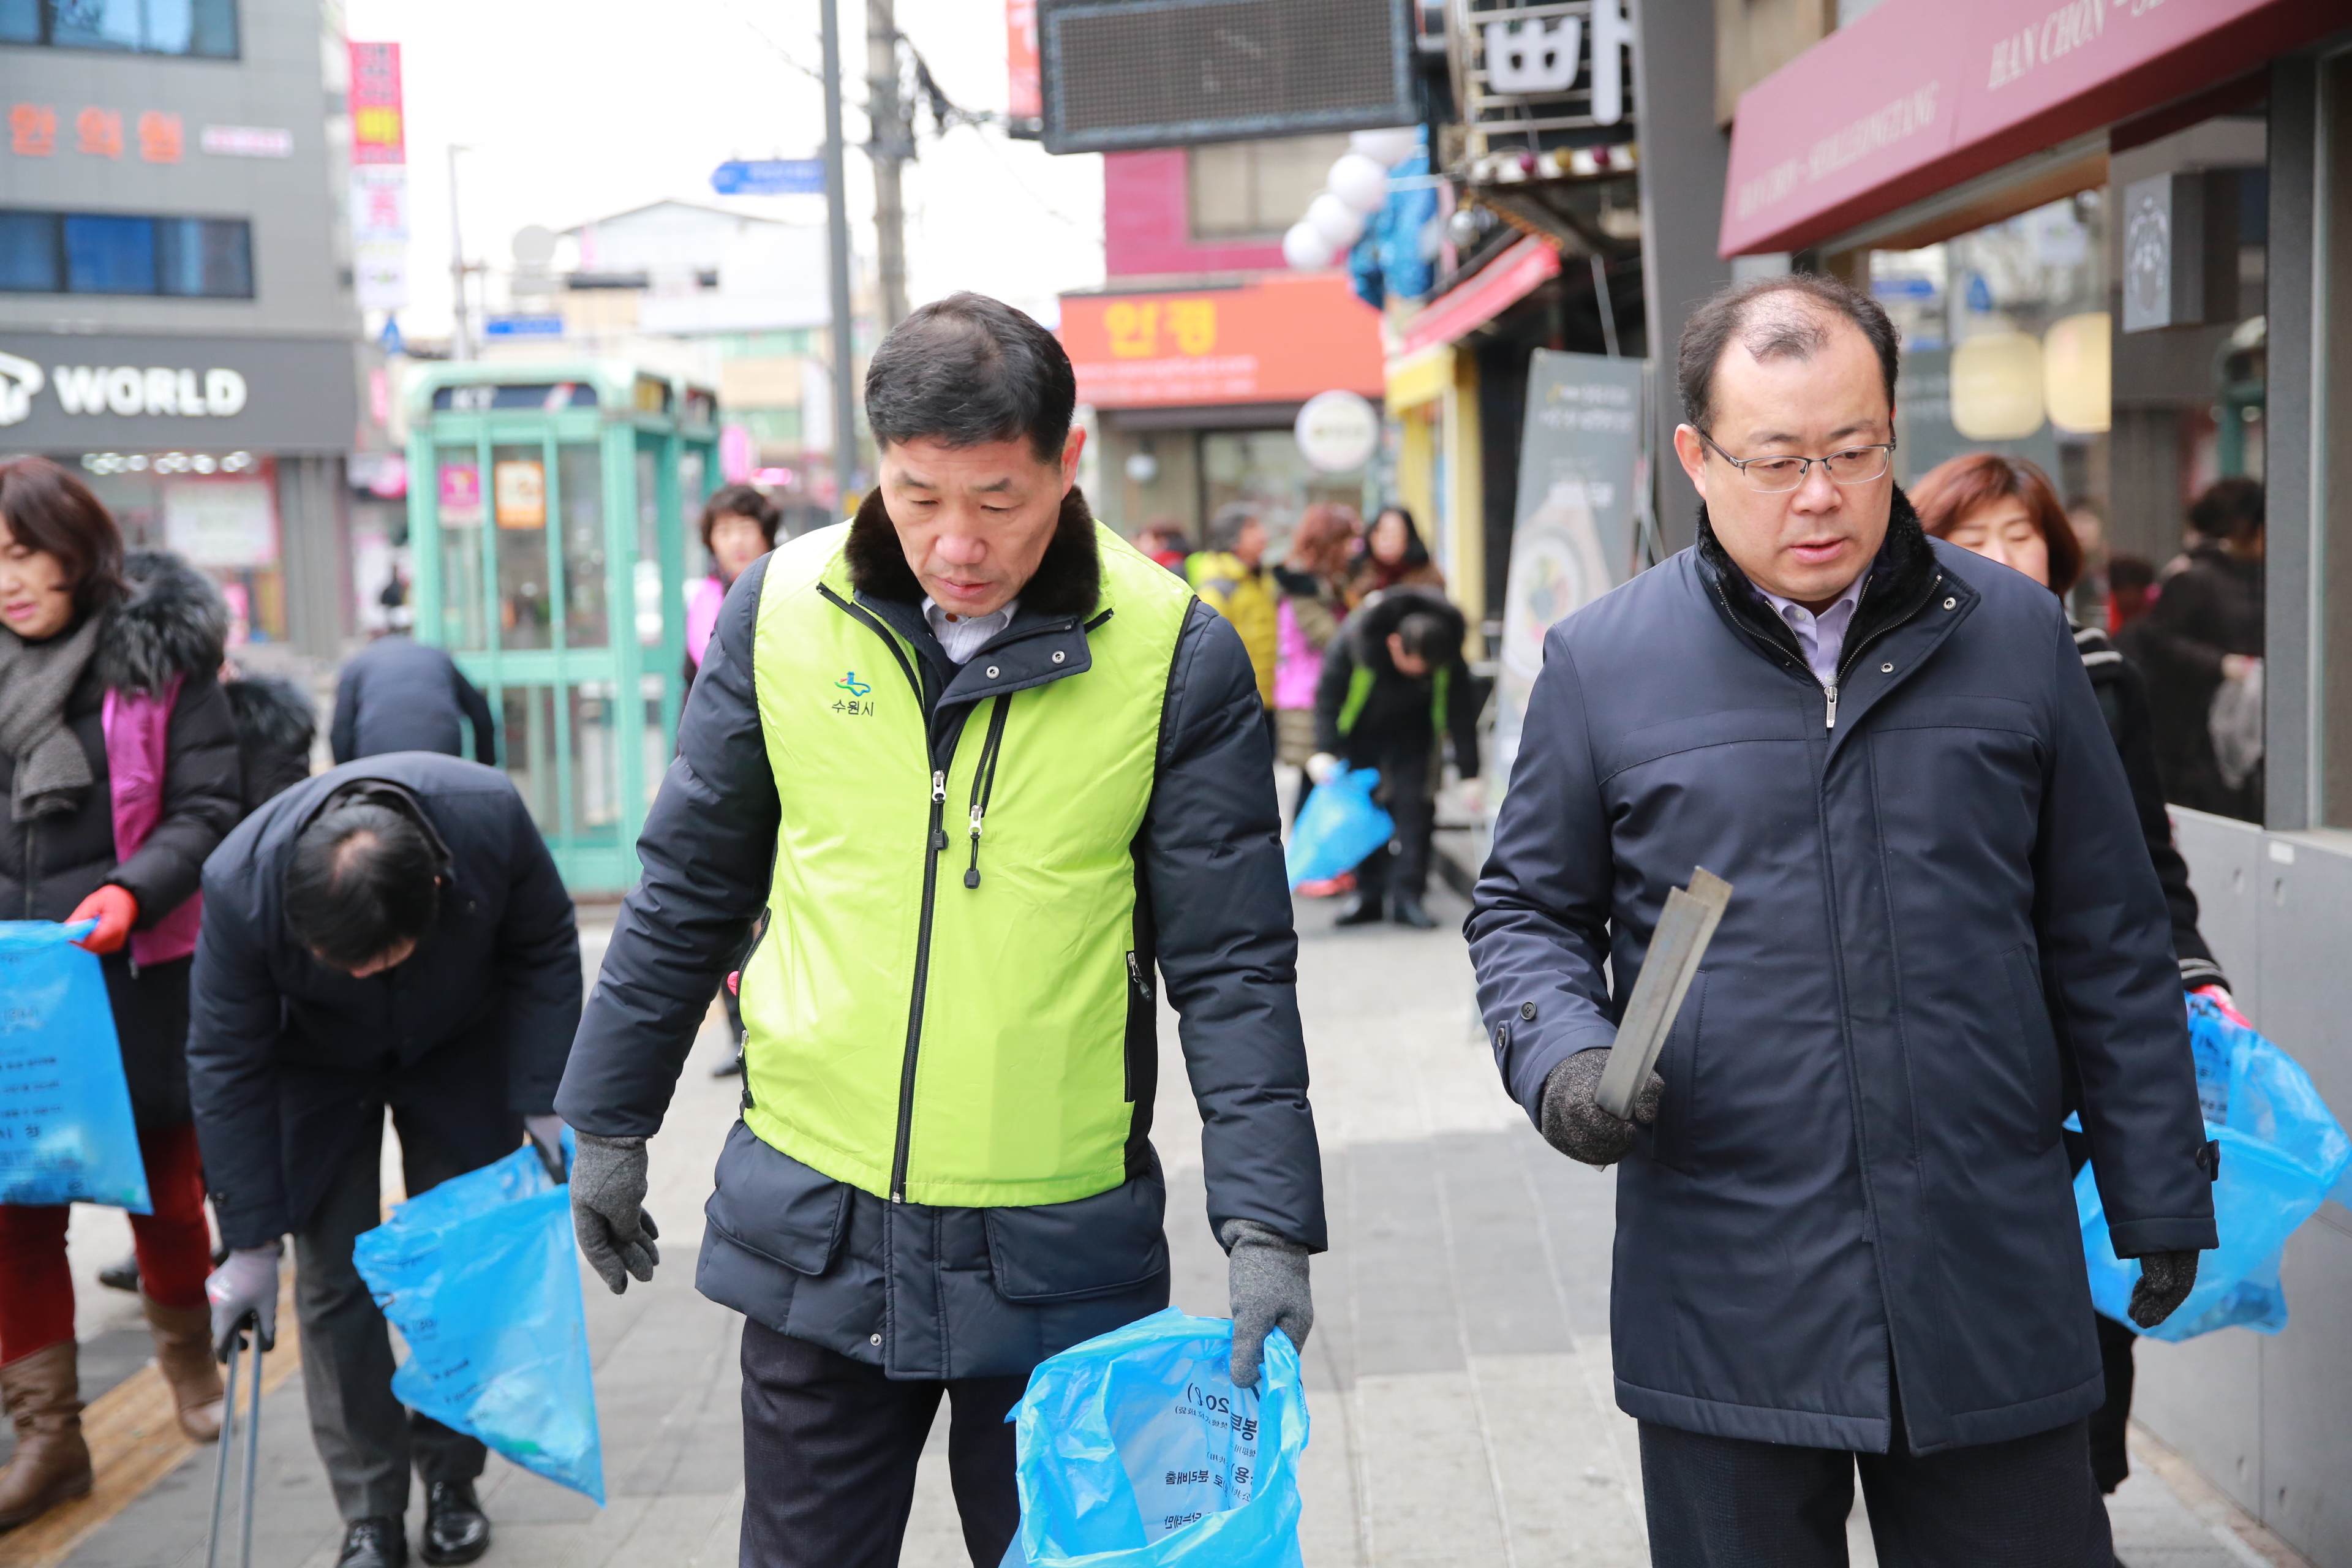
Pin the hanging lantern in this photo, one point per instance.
(1997, 386)
(2077, 379)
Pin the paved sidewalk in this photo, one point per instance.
(1458, 1375)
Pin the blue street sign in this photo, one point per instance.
(524, 327)
(393, 343)
(769, 177)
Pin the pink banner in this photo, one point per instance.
(1919, 94)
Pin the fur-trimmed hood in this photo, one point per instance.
(271, 711)
(1067, 582)
(174, 622)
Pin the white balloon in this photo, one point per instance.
(1386, 147)
(1304, 248)
(1360, 182)
(1340, 225)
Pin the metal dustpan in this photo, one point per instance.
(228, 1442)
(1684, 928)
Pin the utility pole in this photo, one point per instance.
(892, 143)
(836, 190)
(459, 346)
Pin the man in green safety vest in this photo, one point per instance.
(992, 775)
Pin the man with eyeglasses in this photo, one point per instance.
(1845, 1234)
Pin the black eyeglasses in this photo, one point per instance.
(1776, 476)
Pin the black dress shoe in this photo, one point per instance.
(377, 1543)
(1409, 912)
(456, 1527)
(1363, 909)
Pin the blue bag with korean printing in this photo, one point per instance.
(1337, 827)
(1136, 1451)
(480, 1277)
(66, 1132)
(2282, 1153)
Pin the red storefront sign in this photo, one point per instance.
(1919, 94)
(1504, 282)
(1277, 340)
(378, 135)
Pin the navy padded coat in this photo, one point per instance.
(1946, 932)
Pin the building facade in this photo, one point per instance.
(177, 320)
(1198, 350)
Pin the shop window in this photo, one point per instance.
(28, 253)
(1264, 470)
(106, 255)
(205, 258)
(1254, 190)
(202, 28)
(2332, 462)
(114, 253)
(2031, 338)
(519, 507)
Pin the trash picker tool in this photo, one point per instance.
(1684, 928)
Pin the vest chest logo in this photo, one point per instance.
(857, 702)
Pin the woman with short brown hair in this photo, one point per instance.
(119, 768)
(2005, 510)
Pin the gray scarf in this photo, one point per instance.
(36, 678)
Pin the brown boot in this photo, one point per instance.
(43, 1395)
(184, 1354)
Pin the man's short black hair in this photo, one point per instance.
(364, 879)
(968, 370)
(1435, 638)
(1776, 317)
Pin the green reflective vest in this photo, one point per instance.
(912, 1029)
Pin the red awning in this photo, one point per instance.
(1504, 282)
(1920, 95)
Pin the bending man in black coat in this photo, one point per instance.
(1393, 685)
(1845, 1230)
(398, 695)
(392, 933)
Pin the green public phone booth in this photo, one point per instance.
(548, 532)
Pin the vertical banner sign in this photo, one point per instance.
(1024, 106)
(379, 193)
(1574, 538)
(378, 135)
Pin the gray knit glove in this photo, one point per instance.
(608, 1215)
(1268, 1280)
(1577, 1126)
(2165, 1280)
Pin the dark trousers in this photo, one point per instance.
(829, 1452)
(2110, 1458)
(365, 1438)
(1400, 868)
(1725, 1502)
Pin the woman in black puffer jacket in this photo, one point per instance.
(119, 772)
(2005, 509)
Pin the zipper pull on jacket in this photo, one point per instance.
(1830, 692)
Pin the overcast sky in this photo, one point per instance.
(581, 109)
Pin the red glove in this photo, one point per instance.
(114, 909)
(2225, 1001)
(735, 984)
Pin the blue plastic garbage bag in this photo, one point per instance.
(2282, 1152)
(1136, 1451)
(66, 1133)
(1337, 827)
(479, 1276)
